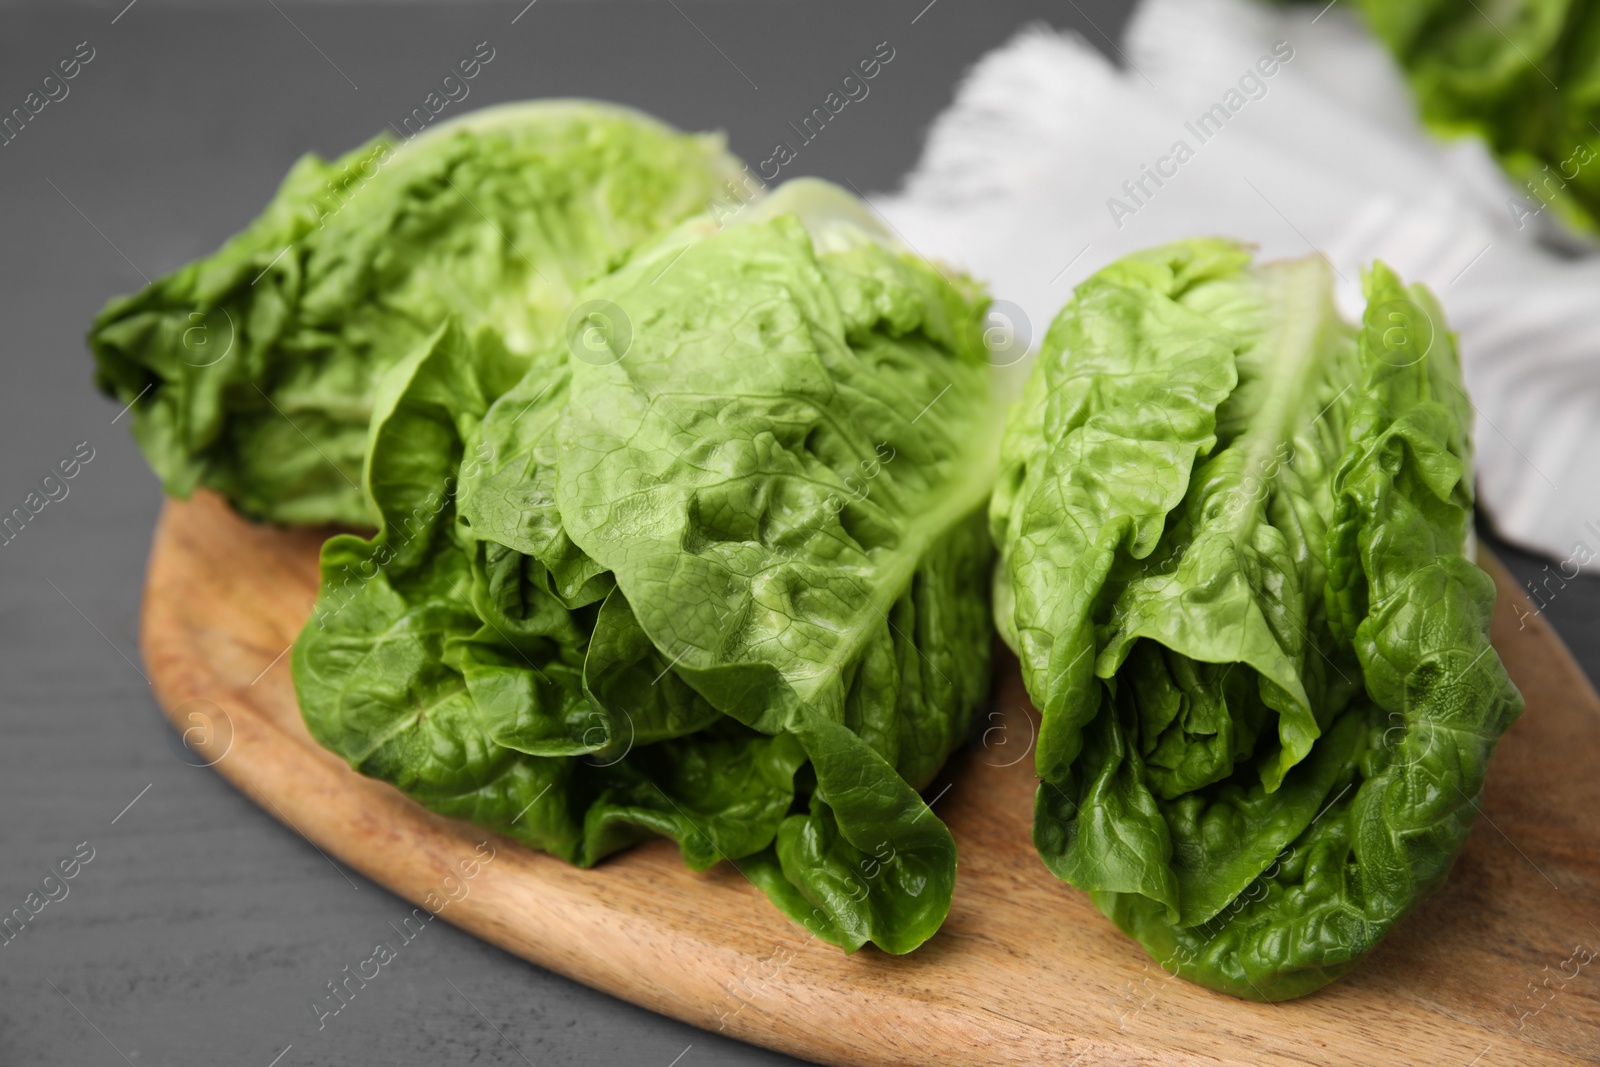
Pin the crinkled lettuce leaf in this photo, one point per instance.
(717, 572)
(409, 671)
(1231, 531)
(252, 371)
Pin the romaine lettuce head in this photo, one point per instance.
(1523, 75)
(1233, 539)
(251, 371)
(716, 568)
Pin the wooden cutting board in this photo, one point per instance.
(1490, 971)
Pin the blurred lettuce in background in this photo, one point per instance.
(1524, 75)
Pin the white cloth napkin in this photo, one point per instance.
(1020, 180)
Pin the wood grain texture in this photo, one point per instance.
(1025, 971)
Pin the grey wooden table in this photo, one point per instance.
(201, 930)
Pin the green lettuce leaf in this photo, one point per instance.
(1232, 532)
(252, 371)
(714, 569)
(409, 671)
